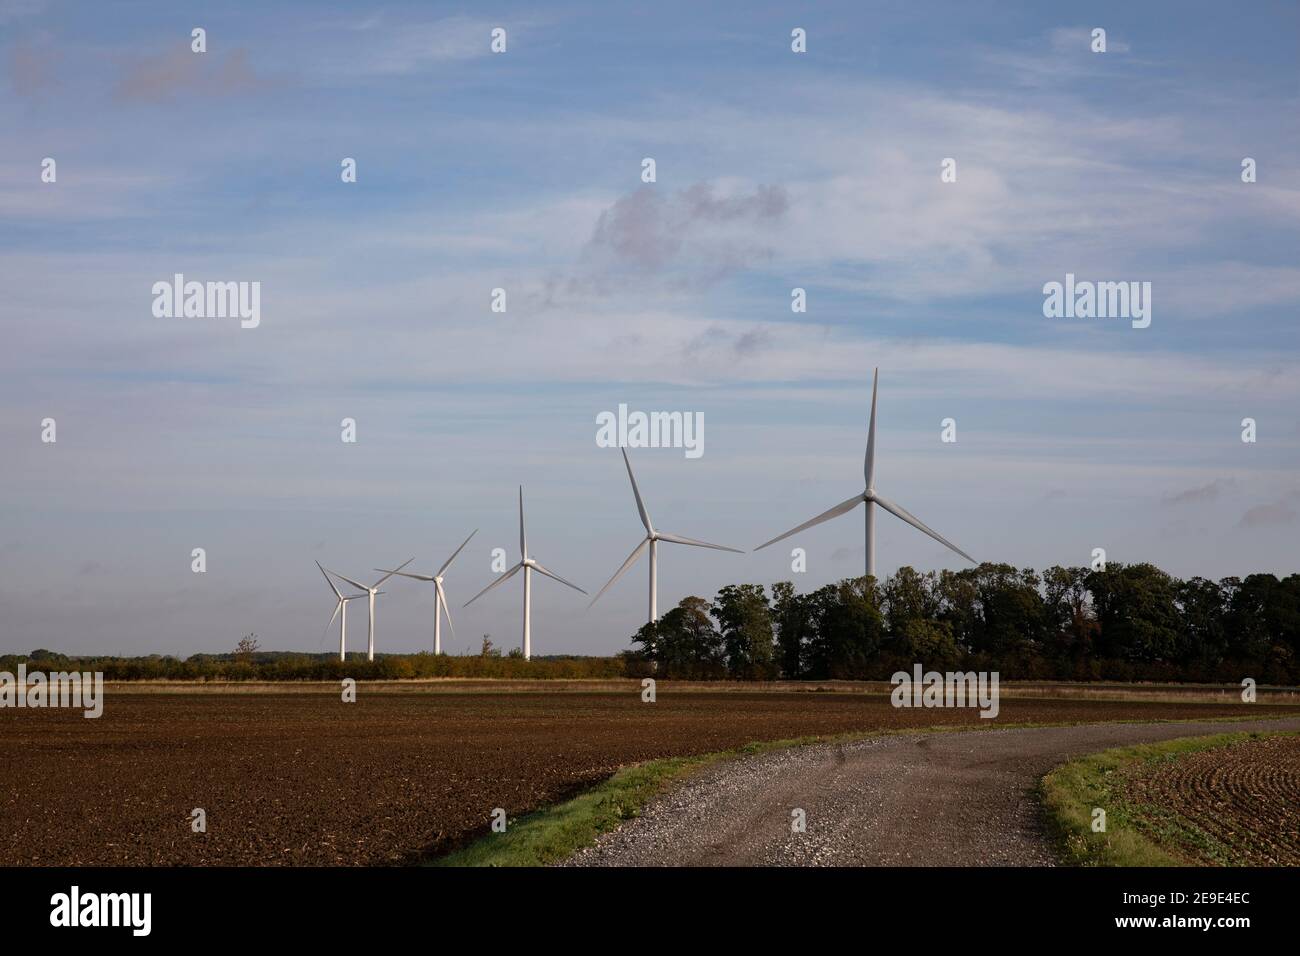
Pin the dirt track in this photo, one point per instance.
(944, 799)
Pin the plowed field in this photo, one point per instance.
(1240, 803)
(297, 779)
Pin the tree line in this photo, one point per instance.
(1126, 622)
(258, 665)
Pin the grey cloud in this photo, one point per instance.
(1206, 492)
(715, 338)
(651, 231)
(1271, 515)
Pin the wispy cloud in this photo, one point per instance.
(14, 10)
(389, 46)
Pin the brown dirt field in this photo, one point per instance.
(1245, 797)
(301, 779)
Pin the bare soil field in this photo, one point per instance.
(1237, 805)
(1205, 693)
(304, 779)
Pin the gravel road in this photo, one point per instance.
(941, 799)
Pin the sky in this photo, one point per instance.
(523, 170)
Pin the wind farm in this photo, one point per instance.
(653, 537)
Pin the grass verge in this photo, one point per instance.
(1136, 835)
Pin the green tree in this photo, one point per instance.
(683, 643)
(927, 642)
(909, 596)
(745, 619)
(795, 623)
(849, 629)
(1137, 611)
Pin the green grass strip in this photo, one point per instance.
(1136, 834)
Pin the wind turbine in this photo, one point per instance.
(439, 595)
(871, 497)
(372, 590)
(341, 606)
(651, 540)
(529, 566)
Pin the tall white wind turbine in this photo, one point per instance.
(528, 566)
(372, 590)
(439, 595)
(651, 541)
(871, 497)
(340, 607)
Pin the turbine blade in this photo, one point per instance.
(355, 584)
(445, 610)
(551, 574)
(631, 560)
(407, 574)
(523, 539)
(869, 464)
(447, 563)
(501, 580)
(841, 508)
(678, 539)
(335, 616)
(640, 505)
(337, 593)
(394, 571)
(915, 522)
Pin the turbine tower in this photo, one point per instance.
(528, 565)
(372, 590)
(871, 497)
(651, 540)
(341, 606)
(439, 595)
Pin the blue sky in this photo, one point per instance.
(522, 171)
